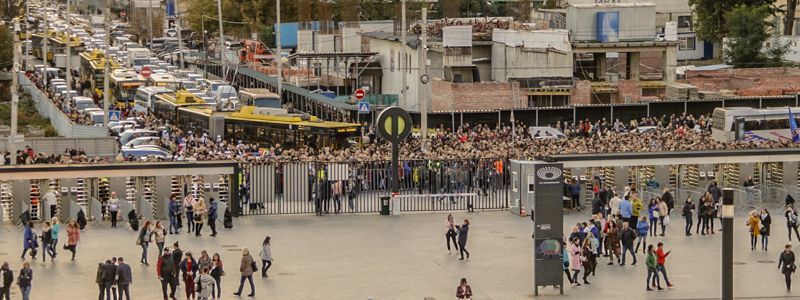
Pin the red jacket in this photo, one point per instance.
(662, 257)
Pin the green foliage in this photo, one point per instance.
(6, 47)
(748, 30)
(27, 116)
(711, 22)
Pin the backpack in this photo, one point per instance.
(100, 275)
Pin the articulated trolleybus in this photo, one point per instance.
(753, 124)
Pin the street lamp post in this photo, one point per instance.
(727, 215)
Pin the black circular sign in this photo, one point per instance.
(394, 124)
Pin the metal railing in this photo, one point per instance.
(63, 125)
(309, 187)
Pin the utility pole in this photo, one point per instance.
(69, 54)
(180, 39)
(12, 139)
(150, 26)
(279, 57)
(28, 65)
(423, 90)
(44, 42)
(402, 61)
(221, 42)
(107, 57)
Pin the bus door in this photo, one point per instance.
(738, 128)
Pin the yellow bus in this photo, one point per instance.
(267, 127)
(93, 69)
(166, 105)
(124, 83)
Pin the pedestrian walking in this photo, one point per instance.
(56, 228)
(51, 200)
(189, 269)
(450, 232)
(188, 207)
(174, 215)
(464, 291)
(247, 267)
(177, 257)
(108, 281)
(663, 217)
(266, 257)
(627, 236)
(145, 235)
(653, 213)
(24, 280)
(165, 269)
(216, 272)
(612, 241)
(124, 278)
(766, 223)
(463, 231)
(688, 211)
(626, 210)
(113, 209)
(791, 221)
(199, 215)
(212, 216)
(205, 285)
(753, 225)
(661, 260)
(701, 213)
(47, 237)
(588, 259)
(160, 234)
(652, 270)
(204, 261)
(575, 260)
(6, 280)
(73, 236)
(642, 230)
(29, 241)
(787, 266)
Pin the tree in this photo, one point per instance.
(711, 21)
(748, 30)
(788, 27)
(6, 47)
(12, 9)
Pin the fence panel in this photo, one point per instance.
(324, 187)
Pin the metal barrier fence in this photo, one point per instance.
(310, 187)
(60, 121)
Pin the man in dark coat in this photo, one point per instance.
(109, 275)
(628, 236)
(6, 279)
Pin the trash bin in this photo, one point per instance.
(385, 205)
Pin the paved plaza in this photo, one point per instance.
(404, 257)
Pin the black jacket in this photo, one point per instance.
(789, 200)
(124, 275)
(109, 273)
(463, 230)
(597, 204)
(628, 236)
(667, 197)
(8, 278)
(687, 209)
(766, 222)
(786, 262)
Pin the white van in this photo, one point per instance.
(145, 96)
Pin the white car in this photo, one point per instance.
(131, 134)
(146, 152)
(143, 141)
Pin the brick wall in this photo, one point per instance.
(582, 93)
(747, 82)
(448, 96)
(629, 89)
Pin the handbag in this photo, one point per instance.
(763, 230)
(666, 220)
(253, 264)
(655, 214)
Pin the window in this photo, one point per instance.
(685, 22)
(686, 43)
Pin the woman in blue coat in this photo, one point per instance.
(29, 241)
(463, 230)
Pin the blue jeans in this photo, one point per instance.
(652, 273)
(252, 286)
(26, 292)
(216, 289)
(189, 220)
(144, 251)
(173, 224)
(628, 249)
(764, 241)
(663, 271)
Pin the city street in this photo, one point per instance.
(404, 257)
